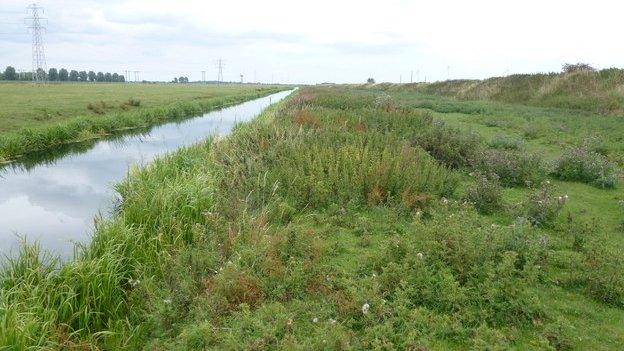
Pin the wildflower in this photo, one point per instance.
(365, 308)
(167, 301)
(419, 255)
(444, 201)
(418, 213)
(315, 320)
(133, 282)
(332, 321)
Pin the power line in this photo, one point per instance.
(38, 54)
(220, 65)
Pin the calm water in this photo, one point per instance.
(53, 197)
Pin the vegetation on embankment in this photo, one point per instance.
(340, 219)
(100, 118)
(596, 91)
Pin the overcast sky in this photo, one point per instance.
(318, 41)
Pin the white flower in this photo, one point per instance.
(444, 200)
(133, 282)
(167, 301)
(332, 321)
(419, 255)
(418, 213)
(365, 308)
(315, 320)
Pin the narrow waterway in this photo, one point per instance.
(53, 197)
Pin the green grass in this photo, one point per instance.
(36, 118)
(27, 105)
(337, 220)
(595, 91)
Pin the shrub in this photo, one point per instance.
(450, 146)
(504, 142)
(576, 67)
(514, 168)
(485, 193)
(580, 164)
(385, 102)
(542, 207)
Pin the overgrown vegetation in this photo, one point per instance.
(579, 88)
(339, 219)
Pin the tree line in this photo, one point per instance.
(63, 75)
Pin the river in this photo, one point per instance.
(53, 197)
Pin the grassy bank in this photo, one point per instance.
(164, 102)
(341, 219)
(596, 91)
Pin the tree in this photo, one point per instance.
(115, 77)
(83, 76)
(41, 73)
(52, 74)
(175, 80)
(63, 75)
(100, 77)
(122, 78)
(73, 76)
(108, 77)
(92, 76)
(9, 73)
(575, 67)
(370, 81)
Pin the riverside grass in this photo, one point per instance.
(324, 224)
(46, 135)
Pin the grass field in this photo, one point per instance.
(352, 218)
(37, 117)
(27, 105)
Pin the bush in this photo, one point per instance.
(542, 207)
(580, 164)
(450, 146)
(385, 102)
(485, 193)
(504, 142)
(576, 67)
(514, 168)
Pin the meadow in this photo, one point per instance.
(39, 117)
(351, 218)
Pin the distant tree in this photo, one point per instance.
(9, 73)
(115, 77)
(108, 77)
(73, 76)
(181, 79)
(122, 78)
(63, 75)
(52, 74)
(92, 76)
(100, 77)
(41, 73)
(575, 67)
(1, 75)
(175, 80)
(370, 81)
(83, 76)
